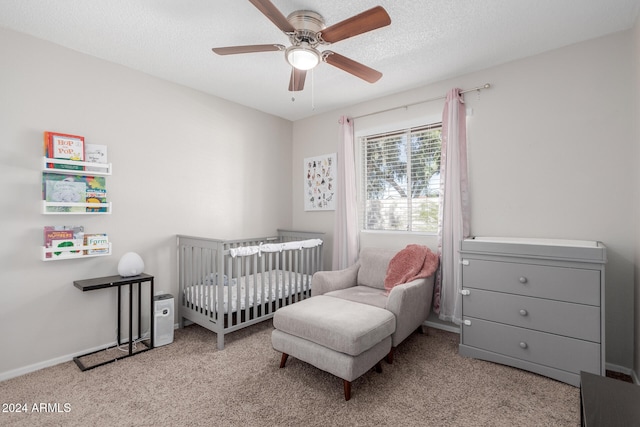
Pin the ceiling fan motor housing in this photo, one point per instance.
(307, 23)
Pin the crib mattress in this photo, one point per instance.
(255, 289)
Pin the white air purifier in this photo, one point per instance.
(163, 320)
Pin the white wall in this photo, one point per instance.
(636, 178)
(550, 155)
(183, 163)
(551, 149)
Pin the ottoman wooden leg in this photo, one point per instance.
(379, 367)
(283, 360)
(389, 357)
(347, 389)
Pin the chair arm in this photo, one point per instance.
(327, 281)
(411, 304)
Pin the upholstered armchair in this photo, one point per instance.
(364, 282)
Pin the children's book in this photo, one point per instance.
(95, 153)
(64, 146)
(65, 191)
(61, 233)
(96, 195)
(73, 188)
(58, 235)
(97, 244)
(66, 243)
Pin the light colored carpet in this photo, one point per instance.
(190, 383)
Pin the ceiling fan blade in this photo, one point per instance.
(368, 20)
(270, 11)
(232, 50)
(350, 66)
(296, 82)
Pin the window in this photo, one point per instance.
(400, 180)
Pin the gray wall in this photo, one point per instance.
(551, 154)
(183, 163)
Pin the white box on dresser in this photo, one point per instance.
(534, 304)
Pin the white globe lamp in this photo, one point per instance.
(131, 264)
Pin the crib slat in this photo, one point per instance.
(273, 289)
(265, 295)
(249, 303)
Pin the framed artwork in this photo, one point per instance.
(320, 183)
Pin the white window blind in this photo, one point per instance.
(400, 180)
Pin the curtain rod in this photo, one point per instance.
(479, 88)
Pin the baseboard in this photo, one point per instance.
(47, 363)
(623, 370)
(55, 361)
(449, 327)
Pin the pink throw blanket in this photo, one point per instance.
(412, 262)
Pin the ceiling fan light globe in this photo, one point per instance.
(302, 57)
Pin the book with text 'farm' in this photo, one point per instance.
(96, 244)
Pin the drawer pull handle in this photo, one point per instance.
(523, 312)
(523, 279)
(523, 345)
(465, 292)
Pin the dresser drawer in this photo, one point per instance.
(567, 354)
(556, 317)
(558, 283)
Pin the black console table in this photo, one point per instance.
(119, 282)
(608, 402)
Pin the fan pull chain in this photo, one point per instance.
(313, 92)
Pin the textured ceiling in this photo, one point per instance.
(427, 41)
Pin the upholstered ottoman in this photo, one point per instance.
(342, 337)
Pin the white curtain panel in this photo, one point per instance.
(345, 235)
(454, 209)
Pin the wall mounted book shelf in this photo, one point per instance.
(48, 165)
(74, 252)
(81, 171)
(56, 208)
(71, 185)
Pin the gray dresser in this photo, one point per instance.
(534, 304)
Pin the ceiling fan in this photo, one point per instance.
(306, 31)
